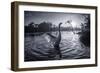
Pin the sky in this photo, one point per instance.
(54, 17)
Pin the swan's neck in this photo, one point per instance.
(59, 28)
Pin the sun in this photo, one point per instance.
(74, 24)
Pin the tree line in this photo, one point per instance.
(45, 27)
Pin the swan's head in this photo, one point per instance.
(60, 23)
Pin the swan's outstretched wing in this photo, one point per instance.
(52, 35)
(37, 48)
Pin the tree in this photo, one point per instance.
(85, 36)
(45, 27)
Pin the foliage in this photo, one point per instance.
(85, 36)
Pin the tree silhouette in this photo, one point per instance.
(85, 36)
(45, 27)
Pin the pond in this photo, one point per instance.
(40, 47)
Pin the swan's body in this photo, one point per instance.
(56, 41)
